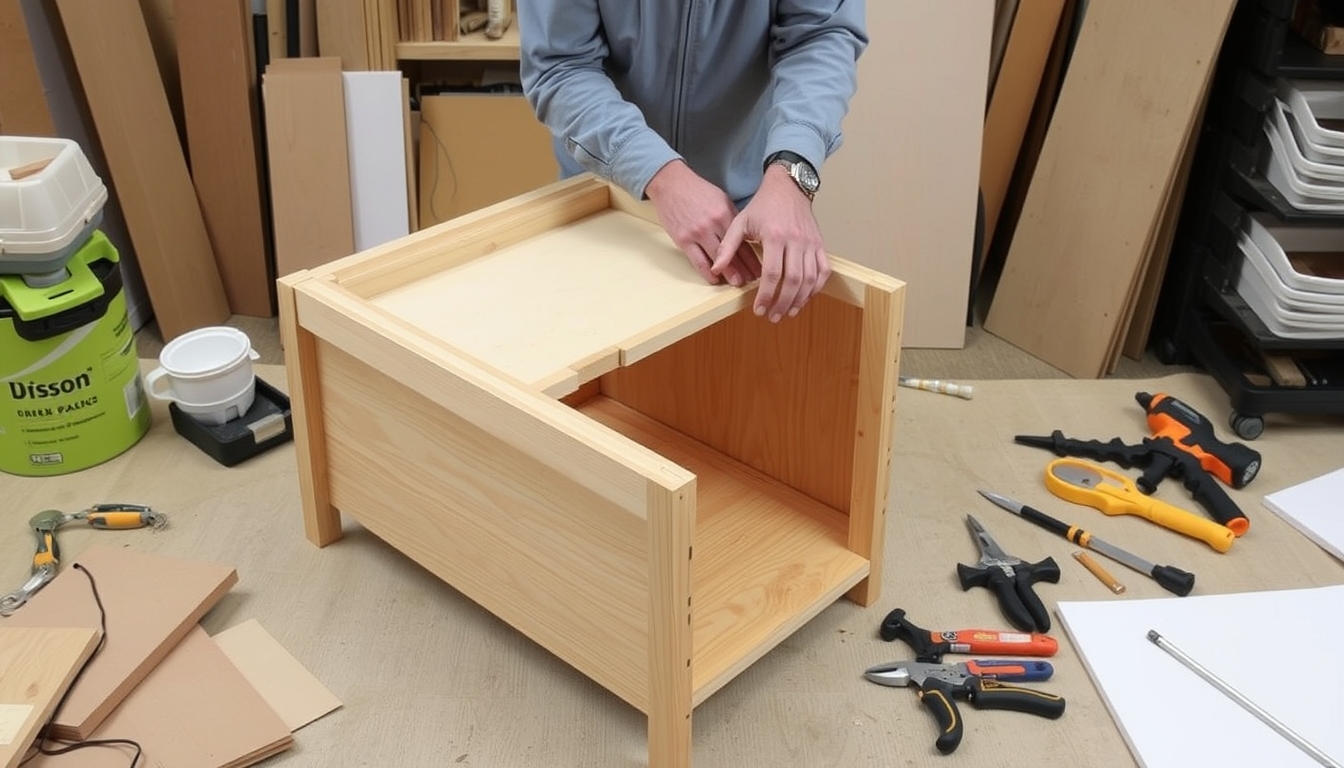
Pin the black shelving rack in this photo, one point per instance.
(1201, 318)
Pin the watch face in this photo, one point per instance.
(806, 176)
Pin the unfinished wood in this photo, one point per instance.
(1132, 88)
(219, 100)
(193, 709)
(456, 176)
(151, 603)
(37, 665)
(277, 30)
(20, 172)
(410, 130)
(306, 141)
(469, 47)
(307, 28)
(342, 32)
(288, 687)
(900, 194)
(23, 104)
(121, 80)
(656, 563)
(1019, 79)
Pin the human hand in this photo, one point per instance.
(794, 266)
(696, 214)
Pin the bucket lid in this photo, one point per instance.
(48, 196)
(35, 299)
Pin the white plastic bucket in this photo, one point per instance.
(207, 373)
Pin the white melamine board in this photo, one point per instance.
(900, 194)
(1313, 508)
(377, 141)
(1274, 647)
(611, 259)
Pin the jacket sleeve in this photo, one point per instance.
(562, 53)
(815, 48)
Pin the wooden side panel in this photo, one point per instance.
(311, 210)
(23, 105)
(37, 665)
(671, 529)
(121, 80)
(557, 560)
(1133, 86)
(342, 32)
(778, 397)
(219, 100)
(879, 362)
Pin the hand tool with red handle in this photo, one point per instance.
(930, 646)
(940, 685)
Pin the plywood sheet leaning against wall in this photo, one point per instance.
(110, 45)
(23, 106)
(1130, 95)
(309, 163)
(900, 195)
(219, 100)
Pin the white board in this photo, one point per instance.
(1280, 649)
(377, 142)
(1314, 509)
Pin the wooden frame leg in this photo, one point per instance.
(321, 521)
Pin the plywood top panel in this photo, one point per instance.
(571, 298)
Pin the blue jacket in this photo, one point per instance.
(630, 85)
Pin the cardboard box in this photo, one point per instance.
(545, 406)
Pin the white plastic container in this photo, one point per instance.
(47, 216)
(208, 373)
(1312, 104)
(1290, 133)
(1277, 241)
(1288, 312)
(1307, 195)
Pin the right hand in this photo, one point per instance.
(696, 215)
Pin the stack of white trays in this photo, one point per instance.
(1292, 277)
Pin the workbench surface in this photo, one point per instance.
(428, 678)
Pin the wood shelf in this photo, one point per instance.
(767, 558)
(473, 47)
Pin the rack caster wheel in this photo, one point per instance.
(1246, 427)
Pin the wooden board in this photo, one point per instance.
(292, 691)
(123, 85)
(219, 100)
(460, 169)
(1132, 88)
(1010, 106)
(37, 665)
(277, 30)
(342, 32)
(151, 604)
(193, 709)
(23, 105)
(900, 195)
(309, 164)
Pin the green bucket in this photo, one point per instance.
(70, 389)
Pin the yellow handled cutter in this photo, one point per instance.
(1083, 482)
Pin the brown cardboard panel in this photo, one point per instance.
(151, 603)
(309, 162)
(219, 99)
(292, 691)
(123, 85)
(341, 32)
(479, 149)
(1132, 88)
(36, 666)
(23, 106)
(195, 709)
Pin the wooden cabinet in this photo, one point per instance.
(544, 405)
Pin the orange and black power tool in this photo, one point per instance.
(1175, 423)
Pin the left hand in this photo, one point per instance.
(794, 267)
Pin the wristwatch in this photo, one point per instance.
(801, 171)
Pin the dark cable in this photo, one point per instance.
(40, 746)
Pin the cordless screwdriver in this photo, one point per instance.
(1235, 464)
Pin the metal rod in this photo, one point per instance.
(1246, 704)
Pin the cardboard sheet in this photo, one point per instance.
(36, 666)
(1172, 718)
(292, 691)
(151, 603)
(194, 710)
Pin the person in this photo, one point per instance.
(718, 111)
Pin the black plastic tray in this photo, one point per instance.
(266, 424)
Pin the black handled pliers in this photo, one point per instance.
(1010, 579)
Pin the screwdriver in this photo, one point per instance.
(1170, 578)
